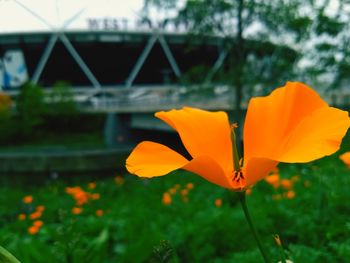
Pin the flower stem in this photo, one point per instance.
(242, 198)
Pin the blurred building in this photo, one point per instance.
(95, 44)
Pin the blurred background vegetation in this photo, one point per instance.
(182, 218)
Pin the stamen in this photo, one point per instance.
(238, 179)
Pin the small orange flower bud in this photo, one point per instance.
(189, 186)
(95, 196)
(184, 192)
(92, 185)
(345, 157)
(286, 184)
(277, 240)
(77, 210)
(99, 212)
(38, 223)
(28, 199)
(290, 194)
(166, 198)
(295, 178)
(119, 180)
(22, 217)
(172, 190)
(40, 208)
(33, 230)
(248, 191)
(35, 215)
(218, 202)
(273, 179)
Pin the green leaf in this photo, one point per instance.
(7, 257)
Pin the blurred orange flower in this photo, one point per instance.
(119, 180)
(28, 199)
(77, 210)
(172, 190)
(345, 157)
(99, 212)
(95, 196)
(184, 192)
(218, 202)
(248, 191)
(35, 215)
(273, 179)
(287, 184)
(290, 194)
(292, 125)
(40, 208)
(92, 185)
(189, 186)
(38, 223)
(33, 230)
(22, 217)
(166, 198)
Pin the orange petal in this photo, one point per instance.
(150, 159)
(203, 133)
(317, 135)
(270, 119)
(209, 169)
(292, 124)
(255, 169)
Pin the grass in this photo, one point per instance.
(313, 225)
(59, 142)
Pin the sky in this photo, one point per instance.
(43, 15)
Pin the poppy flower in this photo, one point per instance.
(292, 125)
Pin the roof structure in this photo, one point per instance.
(24, 16)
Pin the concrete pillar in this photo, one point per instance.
(117, 130)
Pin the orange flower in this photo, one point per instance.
(292, 125)
(77, 210)
(40, 208)
(172, 190)
(274, 180)
(277, 240)
(166, 198)
(99, 212)
(95, 196)
(189, 186)
(28, 199)
(35, 215)
(33, 230)
(184, 192)
(119, 180)
(290, 194)
(38, 223)
(218, 202)
(22, 217)
(92, 185)
(287, 184)
(248, 191)
(345, 157)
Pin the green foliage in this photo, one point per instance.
(135, 221)
(61, 100)
(30, 108)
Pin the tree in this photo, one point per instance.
(327, 57)
(255, 32)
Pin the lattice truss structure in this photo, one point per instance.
(60, 34)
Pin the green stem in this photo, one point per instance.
(251, 225)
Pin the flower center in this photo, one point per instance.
(238, 180)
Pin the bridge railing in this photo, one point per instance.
(155, 98)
